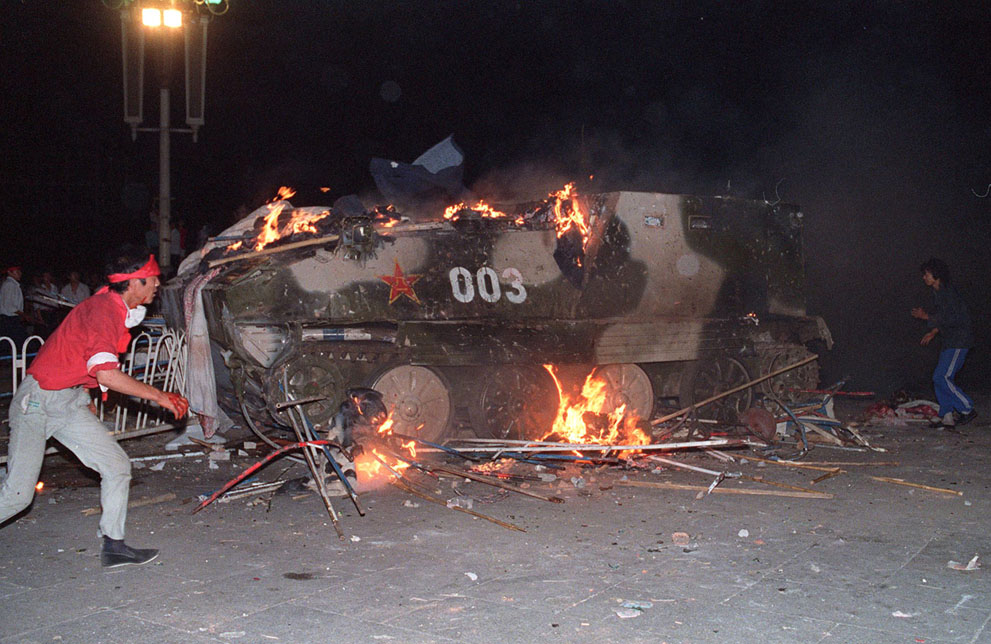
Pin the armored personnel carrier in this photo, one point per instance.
(661, 295)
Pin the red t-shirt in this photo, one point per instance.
(90, 339)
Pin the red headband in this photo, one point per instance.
(150, 269)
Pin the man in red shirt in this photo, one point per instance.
(53, 401)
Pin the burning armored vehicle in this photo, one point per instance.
(487, 314)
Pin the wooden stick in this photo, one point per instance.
(822, 432)
(850, 463)
(139, 503)
(778, 372)
(402, 484)
(726, 490)
(494, 482)
(803, 466)
(786, 486)
(827, 475)
(271, 251)
(885, 479)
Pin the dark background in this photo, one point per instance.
(872, 116)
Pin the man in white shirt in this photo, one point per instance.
(12, 307)
(75, 291)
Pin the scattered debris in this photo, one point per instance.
(627, 613)
(943, 490)
(743, 534)
(967, 567)
(680, 538)
(899, 613)
(137, 503)
(472, 576)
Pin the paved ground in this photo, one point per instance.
(869, 565)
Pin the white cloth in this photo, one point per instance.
(77, 296)
(201, 385)
(11, 297)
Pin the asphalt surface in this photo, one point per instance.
(868, 565)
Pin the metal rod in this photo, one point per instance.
(317, 475)
(711, 399)
(574, 447)
(301, 401)
(494, 482)
(693, 468)
(449, 450)
(251, 470)
(311, 434)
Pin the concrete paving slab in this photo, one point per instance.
(294, 622)
(250, 573)
(110, 627)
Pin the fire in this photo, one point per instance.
(572, 424)
(482, 208)
(39, 486)
(301, 221)
(370, 468)
(568, 212)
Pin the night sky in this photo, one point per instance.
(872, 116)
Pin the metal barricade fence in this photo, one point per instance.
(157, 358)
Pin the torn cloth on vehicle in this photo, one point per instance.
(201, 386)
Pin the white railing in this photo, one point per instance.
(156, 357)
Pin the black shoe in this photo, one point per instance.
(963, 419)
(125, 555)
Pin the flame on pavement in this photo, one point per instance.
(370, 469)
(587, 417)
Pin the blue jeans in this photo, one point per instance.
(948, 394)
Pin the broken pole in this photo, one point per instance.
(885, 479)
(724, 490)
(730, 392)
(494, 482)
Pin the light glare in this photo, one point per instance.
(173, 18)
(151, 17)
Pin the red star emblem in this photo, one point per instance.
(400, 284)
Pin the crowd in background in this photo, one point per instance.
(34, 303)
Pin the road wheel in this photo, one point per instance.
(786, 386)
(418, 398)
(513, 403)
(707, 377)
(309, 375)
(628, 385)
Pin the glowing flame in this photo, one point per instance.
(301, 221)
(568, 212)
(609, 426)
(370, 468)
(482, 208)
(39, 486)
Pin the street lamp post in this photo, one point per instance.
(133, 57)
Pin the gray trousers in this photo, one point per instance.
(37, 415)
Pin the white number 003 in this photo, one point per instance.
(463, 285)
